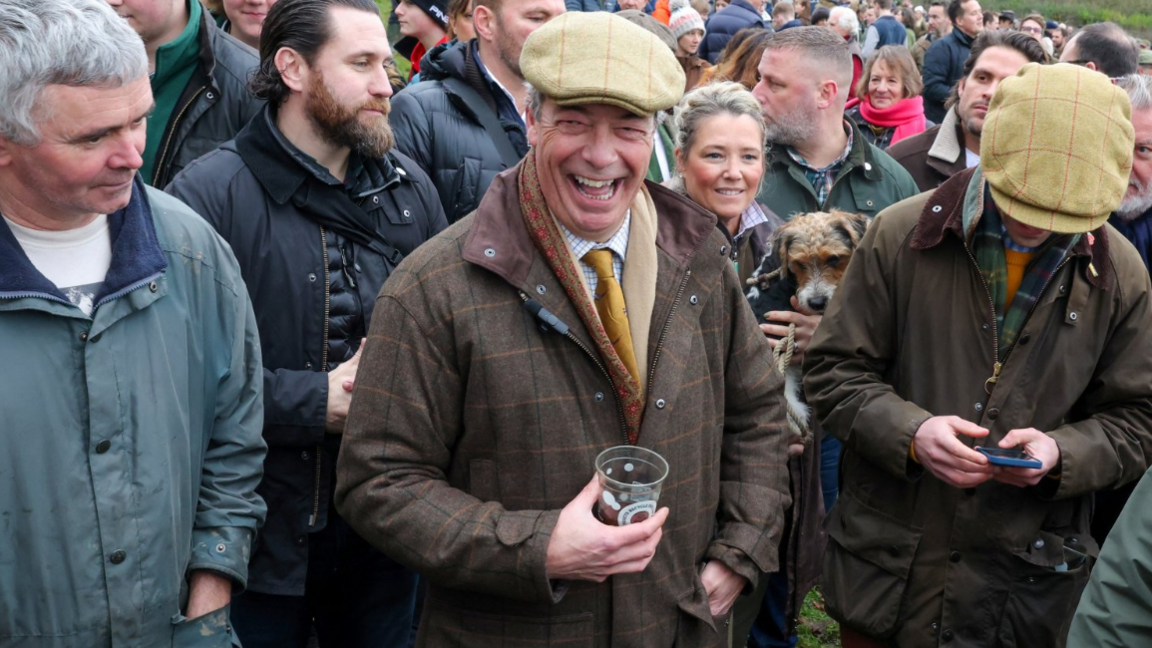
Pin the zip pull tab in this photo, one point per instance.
(990, 384)
(347, 270)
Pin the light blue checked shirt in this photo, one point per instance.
(618, 244)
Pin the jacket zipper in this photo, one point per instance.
(998, 364)
(603, 370)
(667, 323)
(323, 367)
(172, 133)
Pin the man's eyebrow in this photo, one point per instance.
(104, 131)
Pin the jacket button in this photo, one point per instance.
(1025, 338)
(946, 635)
(985, 327)
(117, 557)
(84, 336)
(407, 215)
(954, 556)
(304, 455)
(979, 407)
(153, 287)
(937, 209)
(541, 289)
(103, 446)
(311, 276)
(869, 202)
(660, 403)
(993, 413)
(489, 252)
(300, 540)
(221, 548)
(307, 365)
(693, 300)
(723, 250)
(935, 626)
(1061, 289)
(599, 396)
(375, 200)
(209, 96)
(1038, 543)
(1072, 316)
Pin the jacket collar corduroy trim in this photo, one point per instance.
(943, 213)
(499, 241)
(949, 144)
(136, 254)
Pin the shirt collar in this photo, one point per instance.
(488, 75)
(750, 218)
(618, 243)
(835, 163)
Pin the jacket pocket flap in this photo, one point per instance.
(515, 527)
(694, 602)
(873, 535)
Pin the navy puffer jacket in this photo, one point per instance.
(444, 134)
(724, 24)
(943, 67)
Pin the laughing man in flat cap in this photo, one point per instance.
(999, 311)
(577, 309)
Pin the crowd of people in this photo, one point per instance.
(333, 347)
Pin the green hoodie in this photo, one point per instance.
(175, 63)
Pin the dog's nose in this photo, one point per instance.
(818, 303)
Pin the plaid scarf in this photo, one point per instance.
(550, 241)
(986, 239)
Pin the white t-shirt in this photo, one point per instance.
(970, 159)
(75, 260)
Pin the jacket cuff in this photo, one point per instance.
(737, 561)
(1071, 482)
(533, 531)
(224, 550)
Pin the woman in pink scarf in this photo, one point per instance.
(888, 106)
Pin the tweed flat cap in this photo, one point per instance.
(1057, 147)
(596, 57)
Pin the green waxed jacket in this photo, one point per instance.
(868, 182)
(131, 438)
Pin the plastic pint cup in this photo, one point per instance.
(630, 481)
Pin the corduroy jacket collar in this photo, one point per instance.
(499, 240)
(944, 213)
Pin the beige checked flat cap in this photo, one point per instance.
(597, 57)
(1057, 147)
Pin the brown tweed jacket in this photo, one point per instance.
(471, 427)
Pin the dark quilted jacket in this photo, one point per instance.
(724, 24)
(444, 134)
(943, 67)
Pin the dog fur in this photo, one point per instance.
(811, 252)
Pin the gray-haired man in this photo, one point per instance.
(131, 380)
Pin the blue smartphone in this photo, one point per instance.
(1009, 457)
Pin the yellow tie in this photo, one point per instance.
(609, 300)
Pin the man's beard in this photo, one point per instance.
(508, 49)
(1131, 208)
(791, 129)
(341, 124)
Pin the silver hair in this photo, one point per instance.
(1139, 89)
(60, 42)
(705, 102)
(846, 18)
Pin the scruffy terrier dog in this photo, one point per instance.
(807, 258)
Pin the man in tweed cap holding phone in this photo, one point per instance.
(998, 311)
(578, 308)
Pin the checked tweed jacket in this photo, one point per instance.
(471, 428)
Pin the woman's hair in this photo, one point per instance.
(899, 60)
(741, 57)
(456, 10)
(706, 102)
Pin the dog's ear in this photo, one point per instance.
(782, 239)
(852, 226)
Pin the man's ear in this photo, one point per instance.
(826, 93)
(5, 152)
(484, 22)
(1091, 66)
(293, 68)
(532, 129)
